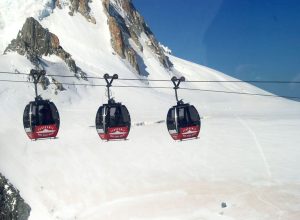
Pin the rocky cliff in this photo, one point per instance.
(81, 6)
(126, 23)
(34, 41)
(12, 206)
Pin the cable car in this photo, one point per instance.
(183, 120)
(112, 119)
(40, 117)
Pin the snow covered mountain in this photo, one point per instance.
(247, 155)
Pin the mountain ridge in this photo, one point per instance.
(123, 28)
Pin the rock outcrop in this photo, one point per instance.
(117, 41)
(132, 59)
(12, 206)
(130, 25)
(58, 4)
(81, 6)
(34, 41)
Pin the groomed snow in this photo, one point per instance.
(247, 154)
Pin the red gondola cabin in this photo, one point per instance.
(183, 122)
(41, 119)
(113, 121)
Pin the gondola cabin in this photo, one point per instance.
(41, 119)
(113, 121)
(183, 122)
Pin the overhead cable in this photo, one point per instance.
(163, 87)
(167, 80)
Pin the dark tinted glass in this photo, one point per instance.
(55, 114)
(44, 114)
(125, 115)
(99, 117)
(33, 114)
(171, 119)
(114, 116)
(26, 118)
(194, 114)
(182, 118)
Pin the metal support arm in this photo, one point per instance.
(109, 79)
(176, 81)
(36, 75)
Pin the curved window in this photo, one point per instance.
(125, 115)
(171, 119)
(55, 114)
(26, 116)
(194, 116)
(44, 115)
(183, 118)
(99, 117)
(114, 117)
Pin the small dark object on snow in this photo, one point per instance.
(223, 205)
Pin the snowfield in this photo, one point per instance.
(247, 155)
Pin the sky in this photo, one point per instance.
(247, 39)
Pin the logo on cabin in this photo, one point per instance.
(118, 132)
(45, 130)
(190, 131)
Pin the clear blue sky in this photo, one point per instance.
(247, 39)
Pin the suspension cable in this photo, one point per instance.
(167, 80)
(165, 87)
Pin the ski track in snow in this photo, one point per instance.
(258, 146)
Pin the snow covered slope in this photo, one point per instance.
(247, 154)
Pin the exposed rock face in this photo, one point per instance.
(159, 51)
(106, 4)
(119, 37)
(116, 37)
(58, 4)
(35, 41)
(12, 206)
(82, 6)
(132, 59)
(130, 26)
